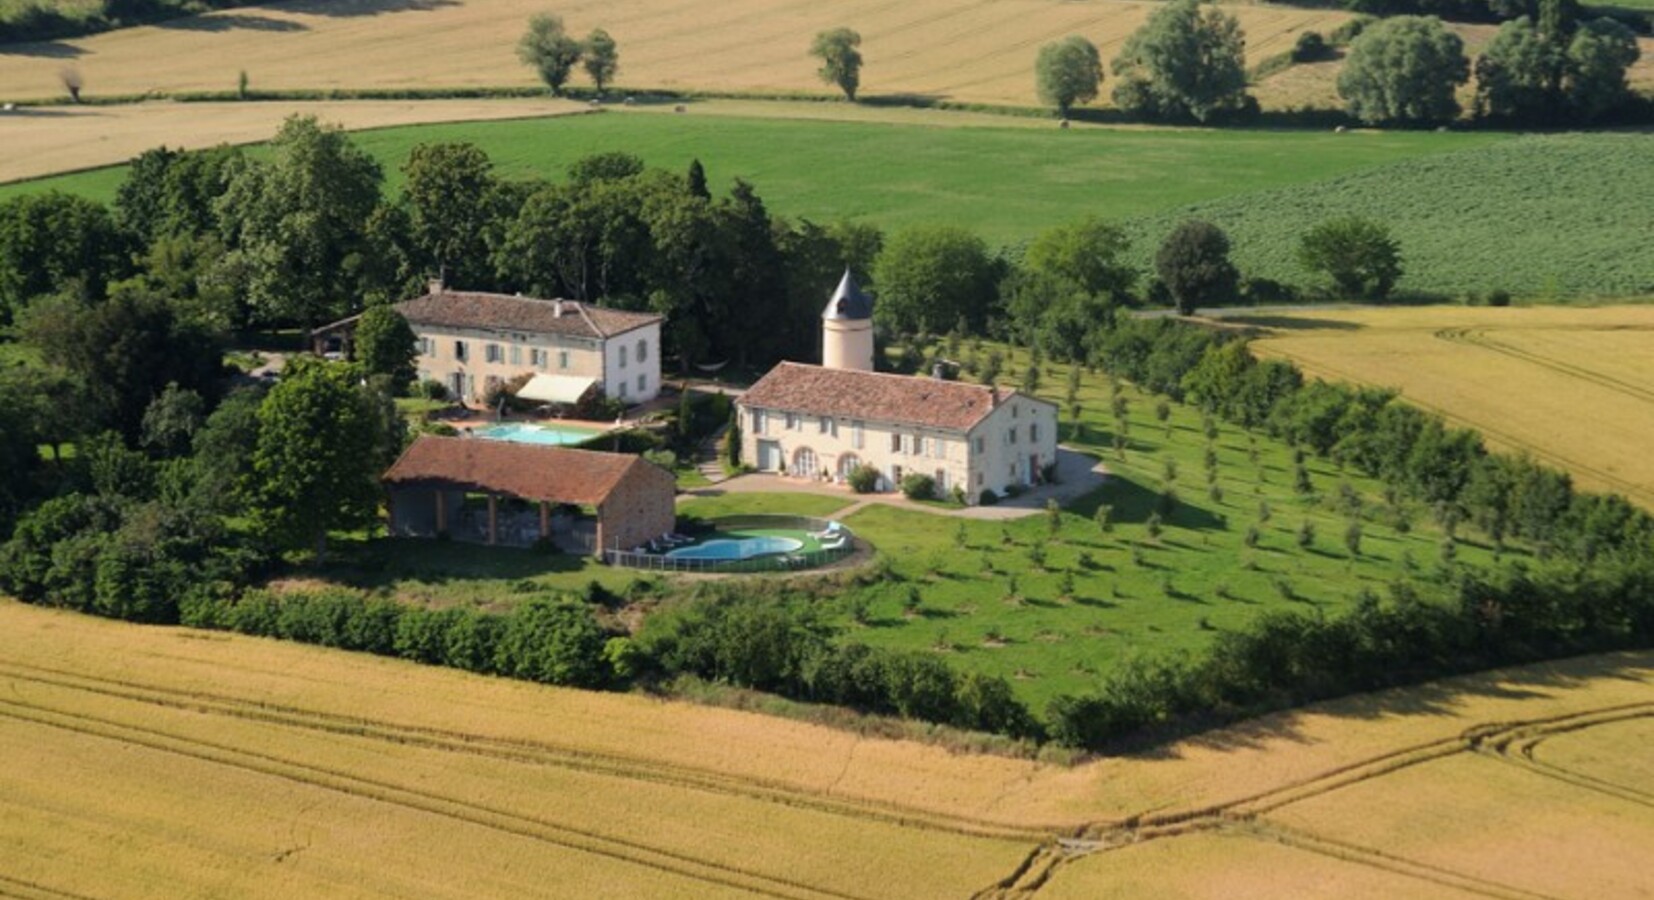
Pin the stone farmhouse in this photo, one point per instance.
(822, 422)
(473, 342)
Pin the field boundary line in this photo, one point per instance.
(477, 814)
(536, 753)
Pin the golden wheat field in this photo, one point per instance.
(968, 50)
(1573, 386)
(152, 762)
(67, 138)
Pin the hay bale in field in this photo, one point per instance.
(680, 108)
(1063, 124)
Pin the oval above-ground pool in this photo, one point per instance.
(738, 548)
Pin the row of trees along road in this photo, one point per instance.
(1187, 63)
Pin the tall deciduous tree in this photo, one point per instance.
(296, 223)
(1403, 71)
(1088, 252)
(549, 50)
(840, 60)
(52, 241)
(385, 345)
(1184, 63)
(1193, 263)
(1530, 74)
(932, 277)
(448, 195)
(1360, 256)
(1068, 72)
(755, 317)
(125, 351)
(601, 58)
(316, 466)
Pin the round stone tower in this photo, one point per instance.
(847, 328)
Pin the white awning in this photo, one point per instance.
(556, 388)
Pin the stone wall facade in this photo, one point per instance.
(641, 508)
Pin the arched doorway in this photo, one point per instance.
(847, 463)
(804, 463)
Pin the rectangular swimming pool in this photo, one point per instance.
(523, 433)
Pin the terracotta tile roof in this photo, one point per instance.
(504, 312)
(557, 474)
(876, 396)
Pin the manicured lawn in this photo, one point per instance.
(742, 504)
(1005, 183)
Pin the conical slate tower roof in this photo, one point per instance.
(849, 302)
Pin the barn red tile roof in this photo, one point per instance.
(504, 312)
(556, 474)
(878, 396)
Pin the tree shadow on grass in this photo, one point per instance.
(383, 563)
(232, 22)
(1131, 503)
(47, 49)
(1293, 323)
(344, 9)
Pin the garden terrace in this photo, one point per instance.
(498, 492)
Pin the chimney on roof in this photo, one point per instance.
(993, 397)
(939, 370)
(557, 309)
(435, 285)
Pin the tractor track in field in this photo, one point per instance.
(1480, 337)
(1632, 489)
(429, 802)
(1518, 747)
(1511, 741)
(22, 889)
(525, 752)
(1051, 848)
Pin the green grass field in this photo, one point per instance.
(1005, 183)
(1542, 216)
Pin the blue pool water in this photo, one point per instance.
(737, 548)
(555, 435)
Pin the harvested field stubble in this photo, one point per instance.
(970, 51)
(167, 762)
